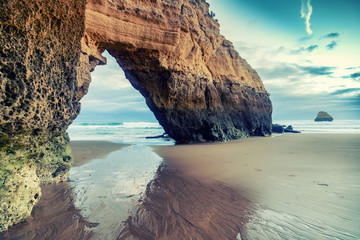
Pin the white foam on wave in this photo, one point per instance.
(336, 126)
(124, 132)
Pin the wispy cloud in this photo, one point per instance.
(346, 90)
(303, 49)
(311, 48)
(306, 11)
(332, 35)
(315, 70)
(331, 45)
(355, 76)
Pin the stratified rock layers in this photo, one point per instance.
(40, 43)
(193, 80)
(196, 84)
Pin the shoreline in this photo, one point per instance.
(248, 187)
(296, 181)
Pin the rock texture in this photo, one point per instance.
(323, 117)
(39, 51)
(193, 80)
(197, 85)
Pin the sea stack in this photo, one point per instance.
(323, 117)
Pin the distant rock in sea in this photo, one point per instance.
(323, 116)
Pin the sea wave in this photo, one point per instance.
(100, 124)
(336, 126)
(124, 132)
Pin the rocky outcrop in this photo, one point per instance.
(192, 78)
(277, 128)
(323, 117)
(39, 52)
(289, 129)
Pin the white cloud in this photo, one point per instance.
(306, 11)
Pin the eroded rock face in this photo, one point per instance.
(39, 51)
(193, 80)
(196, 84)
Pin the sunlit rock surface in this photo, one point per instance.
(192, 78)
(194, 81)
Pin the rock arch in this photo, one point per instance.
(197, 85)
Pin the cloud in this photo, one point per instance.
(350, 68)
(319, 71)
(332, 35)
(355, 76)
(331, 45)
(306, 11)
(305, 39)
(347, 90)
(311, 48)
(302, 49)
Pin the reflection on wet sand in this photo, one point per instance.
(179, 207)
(298, 186)
(102, 193)
(55, 217)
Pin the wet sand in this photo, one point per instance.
(304, 186)
(55, 216)
(85, 151)
(296, 186)
(179, 207)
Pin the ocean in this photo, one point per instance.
(299, 186)
(336, 126)
(119, 132)
(136, 132)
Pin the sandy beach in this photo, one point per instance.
(292, 186)
(303, 186)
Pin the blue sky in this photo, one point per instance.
(306, 52)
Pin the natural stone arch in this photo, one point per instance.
(193, 80)
(196, 84)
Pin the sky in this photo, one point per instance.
(307, 54)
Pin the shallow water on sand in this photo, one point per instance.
(105, 190)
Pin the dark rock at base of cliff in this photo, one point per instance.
(323, 117)
(289, 129)
(276, 128)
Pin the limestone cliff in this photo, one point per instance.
(196, 84)
(194, 81)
